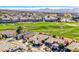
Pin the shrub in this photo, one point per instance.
(61, 46)
(54, 36)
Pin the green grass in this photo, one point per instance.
(69, 30)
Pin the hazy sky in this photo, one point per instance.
(34, 7)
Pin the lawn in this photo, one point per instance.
(68, 30)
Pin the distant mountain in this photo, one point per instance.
(74, 10)
(60, 10)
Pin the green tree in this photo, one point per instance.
(61, 46)
(19, 30)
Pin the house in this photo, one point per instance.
(25, 36)
(74, 47)
(8, 33)
(66, 20)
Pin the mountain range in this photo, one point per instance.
(60, 10)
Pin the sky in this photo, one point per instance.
(35, 7)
